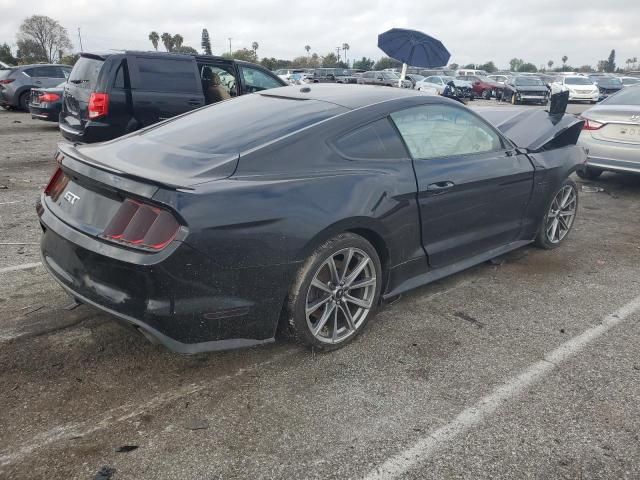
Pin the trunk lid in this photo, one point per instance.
(534, 129)
(622, 123)
(82, 82)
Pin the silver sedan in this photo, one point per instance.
(611, 134)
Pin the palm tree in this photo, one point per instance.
(564, 61)
(167, 41)
(635, 61)
(177, 40)
(345, 47)
(307, 48)
(550, 64)
(628, 62)
(155, 38)
(255, 46)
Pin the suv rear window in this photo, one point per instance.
(244, 123)
(85, 72)
(6, 73)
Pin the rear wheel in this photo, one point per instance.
(23, 101)
(589, 173)
(560, 215)
(486, 94)
(335, 293)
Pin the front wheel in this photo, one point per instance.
(486, 94)
(335, 293)
(559, 217)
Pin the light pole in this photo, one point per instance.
(230, 53)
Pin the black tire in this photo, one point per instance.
(23, 101)
(588, 173)
(296, 314)
(514, 99)
(486, 94)
(542, 240)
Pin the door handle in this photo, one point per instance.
(440, 187)
(194, 102)
(38, 82)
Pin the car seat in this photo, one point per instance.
(212, 87)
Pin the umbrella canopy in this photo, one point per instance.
(413, 48)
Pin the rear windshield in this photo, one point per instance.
(577, 81)
(242, 123)
(85, 72)
(626, 96)
(6, 73)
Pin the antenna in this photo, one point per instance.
(80, 38)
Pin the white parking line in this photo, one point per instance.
(24, 266)
(473, 416)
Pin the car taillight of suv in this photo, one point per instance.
(98, 105)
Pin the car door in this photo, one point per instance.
(163, 86)
(473, 185)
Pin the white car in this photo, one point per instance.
(285, 73)
(437, 83)
(580, 88)
(500, 79)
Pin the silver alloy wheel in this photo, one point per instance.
(561, 214)
(341, 295)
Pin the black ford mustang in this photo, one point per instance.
(300, 208)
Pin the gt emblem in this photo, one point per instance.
(71, 197)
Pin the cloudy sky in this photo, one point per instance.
(472, 30)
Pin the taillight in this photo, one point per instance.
(139, 225)
(6, 81)
(57, 184)
(591, 124)
(49, 97)
(98, 105)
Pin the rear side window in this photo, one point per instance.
(85, 72)
(167, 75)
(377, 140)
(246, 122)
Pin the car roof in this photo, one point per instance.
(348, 96)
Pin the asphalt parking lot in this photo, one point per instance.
(524, 367)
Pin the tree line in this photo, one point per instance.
(42, 39)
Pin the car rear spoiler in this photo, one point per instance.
(536, 130)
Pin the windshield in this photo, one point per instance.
(85, 72)
(577, 81)
(528, 81)
(626, 96)
(484, 79)
(449, 79)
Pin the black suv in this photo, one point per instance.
(113, 94)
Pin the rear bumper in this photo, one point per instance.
(49, 114)
(613, 156)
(181, 299)
(584, 97)
(91, 132)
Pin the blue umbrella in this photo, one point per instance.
(413, 48)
